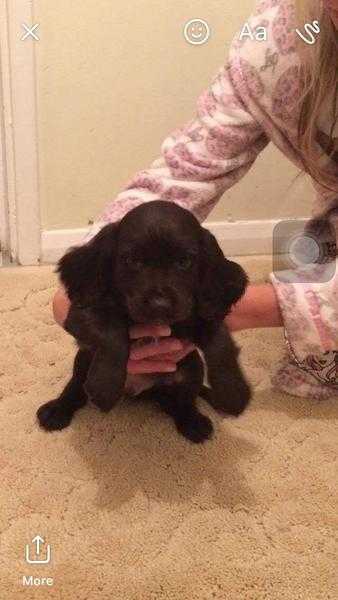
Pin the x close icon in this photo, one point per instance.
(30, 32)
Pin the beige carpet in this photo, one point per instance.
(131, 510)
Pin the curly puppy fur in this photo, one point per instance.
(158, 265)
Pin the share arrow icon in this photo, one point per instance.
(38, 542)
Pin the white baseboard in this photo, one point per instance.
(239, 238)
(55, 242)
(244, 238)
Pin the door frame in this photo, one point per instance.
(20, 228)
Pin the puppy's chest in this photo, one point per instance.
(135, 384)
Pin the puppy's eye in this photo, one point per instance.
(184, 263)
(131, 262)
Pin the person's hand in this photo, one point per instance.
(158, 356)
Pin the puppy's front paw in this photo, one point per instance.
(103, 400)
(53, 416)
(231, 399)
(197, 429)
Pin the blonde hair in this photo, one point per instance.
(319, 75)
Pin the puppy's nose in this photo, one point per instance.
(160, 304)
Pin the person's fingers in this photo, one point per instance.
(136, 367)
(139, 331)
(179, 355)
(155, 348)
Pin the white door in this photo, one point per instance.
(5, 242)
(20, 232)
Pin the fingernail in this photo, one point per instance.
(164, 330)
(170, 369)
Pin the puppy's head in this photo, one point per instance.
(157, 262)
(168, 267)
(160, 262)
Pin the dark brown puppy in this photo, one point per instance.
(157, 265)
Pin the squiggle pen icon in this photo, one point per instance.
(309, 28)
(38, 540)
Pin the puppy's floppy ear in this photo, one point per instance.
(222, 282)
(87, 271)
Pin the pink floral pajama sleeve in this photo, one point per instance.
(251, 101)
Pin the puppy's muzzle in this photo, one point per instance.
(159, 306)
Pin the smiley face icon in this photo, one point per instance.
(196, 31)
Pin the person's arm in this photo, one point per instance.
(257, 308)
